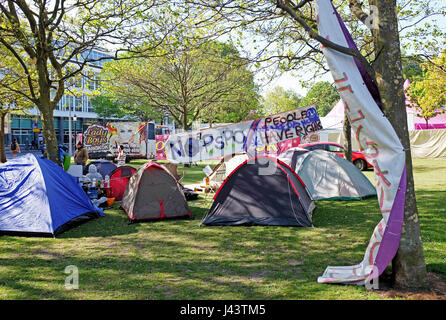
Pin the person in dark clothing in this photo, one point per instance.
(14, 148)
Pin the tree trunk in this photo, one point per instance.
(46, 106)
(2, 138)
(185, 126)
(49, 133)
(347, 138)
(427, 123)
(409, 267)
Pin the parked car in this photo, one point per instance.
(358, 158)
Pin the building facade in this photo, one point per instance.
(71, 111)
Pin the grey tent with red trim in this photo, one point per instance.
(261, 191)
(153, 193)
(329, 176)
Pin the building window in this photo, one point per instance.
(21, 122)
(78, 104)
(66, 136)
(89, 105)
(23, 136)
(69, 102)
(92, 83)
(61, 105)
(15, 122)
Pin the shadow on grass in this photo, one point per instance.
(116, 222)
(347, 214)
(177, 259)
(112, 224)
(435, 168)
(192, 265)
(439, 268)
(432, 215)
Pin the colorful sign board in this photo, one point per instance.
(106, 138)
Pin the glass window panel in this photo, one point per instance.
(333, 148)
(26, 123)
(15, 123)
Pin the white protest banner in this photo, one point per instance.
(217, 142)
(379, 143)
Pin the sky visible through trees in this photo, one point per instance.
(289, 80)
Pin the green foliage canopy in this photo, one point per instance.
(207, 82)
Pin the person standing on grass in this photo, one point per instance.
(121, 156)
(80, 155)
(14, 148)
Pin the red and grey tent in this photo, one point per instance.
(119, 179)
(261, 191)
(153, 193)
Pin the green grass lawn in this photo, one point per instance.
(177, 259)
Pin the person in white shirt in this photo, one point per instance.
(121, 156)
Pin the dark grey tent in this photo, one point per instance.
(261, 191)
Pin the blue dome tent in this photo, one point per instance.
(37, 197)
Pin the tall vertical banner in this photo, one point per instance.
(248, 136)
(377, 140)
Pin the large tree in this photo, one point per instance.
(428, 94)
(128, 108)
(106, 108)
(412, 67)
(189, 82)
(53, 41)
(279, 99)
(324, 95)
(289, 33)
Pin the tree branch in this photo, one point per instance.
(327, 43)
(356, 9)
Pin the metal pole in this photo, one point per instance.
(75, 119)
(70, 147)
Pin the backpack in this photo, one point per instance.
(13, 146)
